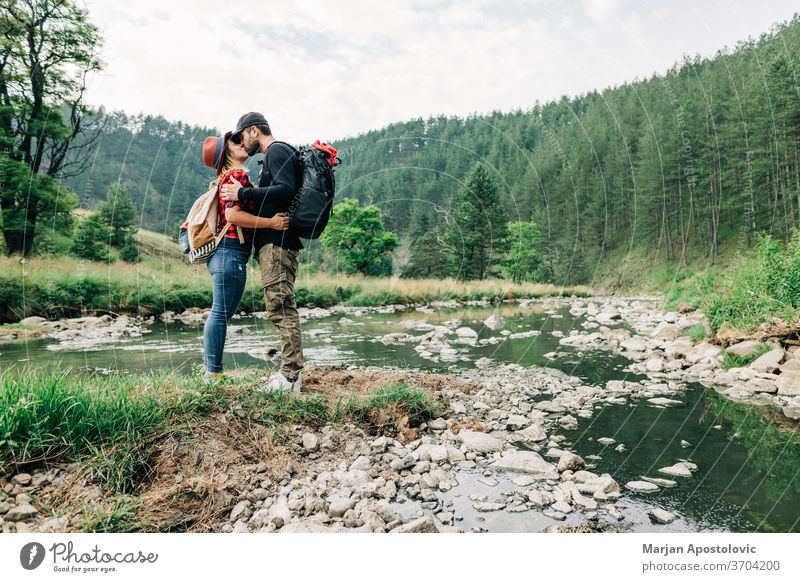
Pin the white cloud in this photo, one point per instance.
(332, 69)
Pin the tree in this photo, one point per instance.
(24, 193)
(359, 238)
(130, 250)
(118, 212)
(48, 49)
(91, 239)
(524, 261)
(477, 228)
(429, 258)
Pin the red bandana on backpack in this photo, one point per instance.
(330, 150)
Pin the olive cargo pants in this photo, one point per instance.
(278, 268)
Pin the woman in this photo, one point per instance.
(228, 265)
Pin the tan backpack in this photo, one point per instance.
(200, 226)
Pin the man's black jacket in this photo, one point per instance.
(277, 185)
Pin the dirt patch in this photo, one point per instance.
(787, 334)
(337, 381)
(195, 479)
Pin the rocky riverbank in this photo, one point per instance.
(501, 446)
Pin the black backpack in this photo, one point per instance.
(311, 208)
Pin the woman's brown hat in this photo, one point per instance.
(214, 148)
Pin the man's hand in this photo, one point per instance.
(230, 192)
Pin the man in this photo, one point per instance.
(277, 251)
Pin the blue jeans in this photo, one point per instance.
(228, 270)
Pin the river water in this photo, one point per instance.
(749, 471)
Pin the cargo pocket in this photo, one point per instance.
(275, 295)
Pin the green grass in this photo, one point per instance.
(730, 361)
(760, 289)
(697, 332)
(111, 424)
(417, 404)
(119, 517)
(67, 287)
(48, 416)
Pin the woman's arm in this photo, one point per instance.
(235, 215)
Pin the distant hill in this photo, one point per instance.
(685, 166)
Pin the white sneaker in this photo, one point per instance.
(277, 381)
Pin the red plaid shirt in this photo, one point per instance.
(249, 206)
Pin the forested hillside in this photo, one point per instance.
(690, 163)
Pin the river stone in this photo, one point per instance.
(660, 482)
(549, 406)
(666, 331)
(310, 441)
(480, 442)
(405, 463)
(21, 513)
(681, 347)
(437, 424)
(527, 462)
(606, 441)
(466, 333)
(533, 434)
(788, 383)
(241, 509)
(483, 363)
(570, 462)
(555, 515)
(561, 507)
(664, 401)
(685, 444)
(568, 422)
(517, 422)
(438, 453)
(703, 351)
(362, 463)
(485, 507)
(494, 322)
(454, 455)
(659, 515)
(682, 469)
(769, 362)
(33, 320)
(790, 365)
(792, 412)
(743, 349)
(641, 486)
(339, 505)
(424, 524)
(604, 484)
(654, 365)
(634, 344)
(23, 479)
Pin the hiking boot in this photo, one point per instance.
(296, 383)
(277, 381)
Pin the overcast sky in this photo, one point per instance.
(335, 68)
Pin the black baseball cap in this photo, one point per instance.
(248, 120)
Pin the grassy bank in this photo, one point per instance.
(743, 289)
(68, 287)
(113, 425)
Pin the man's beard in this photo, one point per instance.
(253, 148)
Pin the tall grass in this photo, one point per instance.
(764, 287)
(68, 287)
(47, 416)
